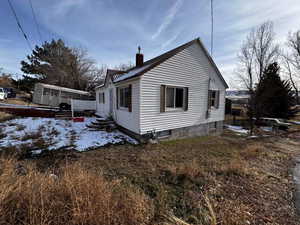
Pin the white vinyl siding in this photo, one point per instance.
(129, 120)
(189, 68)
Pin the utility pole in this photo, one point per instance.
(212, 27)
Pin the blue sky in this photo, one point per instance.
(111, 30)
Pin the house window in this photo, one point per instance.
(124, 97)
(214, 97)
(163, 134)
(102, 98)
(174, 97)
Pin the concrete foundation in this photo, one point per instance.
(213, 128)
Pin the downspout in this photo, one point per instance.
(208, 110)
(96, 101)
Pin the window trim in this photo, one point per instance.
(216, 99)
(175, 109)
(101, 96)
(119, 97)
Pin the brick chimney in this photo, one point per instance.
(139, 58)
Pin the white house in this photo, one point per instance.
(179, 93)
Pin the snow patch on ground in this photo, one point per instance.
(266, 129)
(57, 134)
(237, 129)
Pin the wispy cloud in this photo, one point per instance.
(168, 19)
(66, 5)
(171, 40)
(4, 40)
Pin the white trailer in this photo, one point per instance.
(55, 96)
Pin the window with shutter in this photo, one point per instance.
(173, 98)
(162, 98)
(124, 98)
(213, 99)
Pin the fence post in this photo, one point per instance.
(72, 108)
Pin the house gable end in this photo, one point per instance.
(190, 69)
(152, 63)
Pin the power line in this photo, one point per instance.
(19, 24)
(35, 20)
(212, 27)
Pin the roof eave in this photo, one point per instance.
(212, 62)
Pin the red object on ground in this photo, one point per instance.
(78, 119)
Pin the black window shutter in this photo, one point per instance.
(209, 100)
(186, 106)
(162, 98)
(217, 99)
(117, 96)
(130, 98)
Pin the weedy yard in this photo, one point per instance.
(206, 180)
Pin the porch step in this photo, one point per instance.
(107, 125)
(103, 122)
(95, 128)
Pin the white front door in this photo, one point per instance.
(111, 101)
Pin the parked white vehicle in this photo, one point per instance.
(2, 94)
(275, 122)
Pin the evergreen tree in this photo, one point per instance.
(273, 96)
(57, 64)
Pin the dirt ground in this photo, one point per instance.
(18, 101)
(206, 180)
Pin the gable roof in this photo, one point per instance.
(150, 64)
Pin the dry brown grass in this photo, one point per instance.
(191, 170)
(75, 196)
(5, 116)
(207, 180)
(19, 102)
(253, 151)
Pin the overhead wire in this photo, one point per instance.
(19, 24)
(35, 21)
(212, 27)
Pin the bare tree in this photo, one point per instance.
(257, 52)
(124, 66)
(291, 61)
(291, 73)
(79, 68)
(96, 77)
(294, 45)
